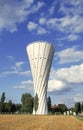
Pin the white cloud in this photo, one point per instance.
(73, 37)
(55, 85)
(75, 7)
(28, 85)
(16, 69)
(25, 73)
(52, 8)
(70, 23)
(42, 31)
(36, 7)
(65, 79)
(17, 66)
(13, 12)
(70, 55)
(32, 26)
(42, 21)
(78, 98)
(74, 74)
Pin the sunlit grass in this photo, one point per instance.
(30, 122)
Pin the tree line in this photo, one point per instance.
(26, 105)
(8, 107)
(28, 102)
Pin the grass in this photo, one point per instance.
(80, 118)
(30, 122)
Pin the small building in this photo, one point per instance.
(65, 113)
(74, 113)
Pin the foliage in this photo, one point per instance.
(27, 103)
(49, 104)
(77, 107)
(3, 97)
(8, 107)
(36, 102)
(82, 107)
(62, 108)
(2, 105)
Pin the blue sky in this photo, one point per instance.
(59, 22)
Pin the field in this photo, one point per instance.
(28, 122)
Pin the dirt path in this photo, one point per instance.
(25, 122)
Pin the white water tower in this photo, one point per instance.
(40, 56)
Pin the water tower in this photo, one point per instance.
(40, 57)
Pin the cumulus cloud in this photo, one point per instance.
(67, 24)
(52, 8)
(72, 37)
(16, 69)
(70, 22)
(13, 12)
(25, 85)
(65, 79)
(42, 21)
(32, 26)
(55, 85)
(73, 74)
(78, 97)
(36, 7)
(70, 55)
(42, 31)
(71, 7)
(17, 66)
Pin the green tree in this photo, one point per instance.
(77, 107)
(3, 97)
(62, 108)
(82, 107)
(18, 107)
(9, 106)
(49, 104)
(2, 104)
(0, 107)
(36, 102)
(27, 103)
(13, 109)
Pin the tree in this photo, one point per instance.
(49, 104)
(18, 107)
(27, 103)
(9, 106)
(62, 108)
(13, 109)
(3, 97)
(82, 107)
(36, 102)
(0, 107)
(2, 104)
(77, 107)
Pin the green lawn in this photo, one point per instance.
(80, 118)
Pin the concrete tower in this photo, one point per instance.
(40, 56)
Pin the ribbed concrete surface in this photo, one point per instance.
(40, 56)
